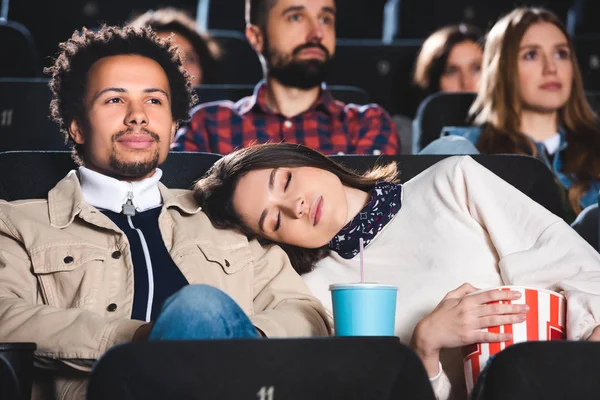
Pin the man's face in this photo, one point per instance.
(299, 41)
(129, 125)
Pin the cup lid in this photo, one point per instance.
(18, 346)
(362, 285)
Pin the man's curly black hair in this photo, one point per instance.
(77, 55)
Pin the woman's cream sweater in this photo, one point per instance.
(460, 223)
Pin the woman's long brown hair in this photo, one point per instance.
(214, 192)
(498, 106)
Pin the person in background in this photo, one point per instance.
(200, 53)
(531, 101)
(112, 255)
(450, 61)
(440, 236)
(295, 40)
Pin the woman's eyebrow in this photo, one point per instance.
(261, 220)
(272, 178)
(530, 46)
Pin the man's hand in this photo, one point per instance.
(142, 333)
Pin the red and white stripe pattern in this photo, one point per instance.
(545, 321)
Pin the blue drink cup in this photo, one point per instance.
(363, 309)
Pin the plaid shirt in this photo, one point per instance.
(328, 126)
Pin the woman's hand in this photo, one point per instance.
(142, 333)
(459, 319)
(595, 336)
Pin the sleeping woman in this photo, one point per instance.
(453, 229)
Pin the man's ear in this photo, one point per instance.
(173, 130)
(76, 132)
(255, 37)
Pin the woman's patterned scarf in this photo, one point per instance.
(383, 205)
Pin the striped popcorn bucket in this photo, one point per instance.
(545, 321)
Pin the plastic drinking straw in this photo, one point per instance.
(362, 262)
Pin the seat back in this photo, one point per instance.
(383, 71)
(210, 93)
(19, 52)
(587, 49)
(582, 17)
(227, 15)
(239, 62)
(349, 94)
(437, 111)
(24, 121)
(587, 224)
(527, 174)
(543, 370)
(354, 18)
(291, 369)
(29, 175)
(433, 14)
(359, 19)
(594, 99)
(54, 21)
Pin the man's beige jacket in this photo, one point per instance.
(63, 262)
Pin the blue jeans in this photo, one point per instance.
(450, 145)
(199, 312)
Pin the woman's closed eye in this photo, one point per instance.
(285, 187)
(278, 222)
(287, 181)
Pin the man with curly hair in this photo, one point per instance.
(112, 255)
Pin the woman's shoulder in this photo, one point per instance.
(447, 167)
(471, 133)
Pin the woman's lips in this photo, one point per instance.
(317, 211)
(551, 86)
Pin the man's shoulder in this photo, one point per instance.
(471, 133)
(197, 222)
(370, 117)
(24, 207)
(443, 171)
(364, 111)
(214, 108)
(19, 214)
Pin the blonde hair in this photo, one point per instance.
(498, 106)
